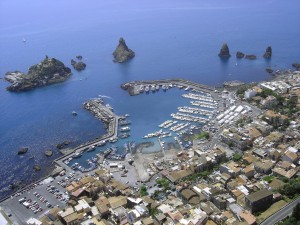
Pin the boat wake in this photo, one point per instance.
(104, 96)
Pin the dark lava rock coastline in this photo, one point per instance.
(48, 71)
(224, 52)
(122, 52)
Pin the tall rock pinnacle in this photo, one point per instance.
(122, 52)
(224, 52)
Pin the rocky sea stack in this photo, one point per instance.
(268, 53)
(122, 52)
(224, 52)
(78, 65)
(47, 72)
(240, 55)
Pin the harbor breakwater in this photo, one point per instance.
(138, 87)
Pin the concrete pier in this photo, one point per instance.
(134, 87)
(103, 113)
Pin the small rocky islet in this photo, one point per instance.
(48, 71)
(224, 52)
(122, 52)
(48, 153)
(251, 57)
(240, 55)
(23, 150)
(79, 66)
(268, 53)
(37, 168)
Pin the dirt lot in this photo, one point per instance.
(141, 161)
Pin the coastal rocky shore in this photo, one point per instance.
(296, 66)
(48, 71)
(122, 52)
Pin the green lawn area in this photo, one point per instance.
(273, 209)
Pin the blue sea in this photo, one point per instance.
(171, 38)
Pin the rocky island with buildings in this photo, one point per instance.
(48, 71)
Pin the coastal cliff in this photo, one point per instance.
(224, 52)
(122, 52)
(48, 71)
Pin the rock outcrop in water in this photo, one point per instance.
(251, 57)
(240, 55)
(63, 144)
(78, 65)
(37, 167)
(47, 72)
(296, 66)
(48, 153)
(22, 151)
(122, 52)
(269, 70)
(224, 52)
(268, 53)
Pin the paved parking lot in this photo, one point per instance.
(19, 213)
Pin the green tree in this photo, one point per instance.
(164, 183)
(296, 212)
(143, 191)
(237, 157)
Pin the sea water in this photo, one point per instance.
(171, 38)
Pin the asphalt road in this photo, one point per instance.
(281, 214)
